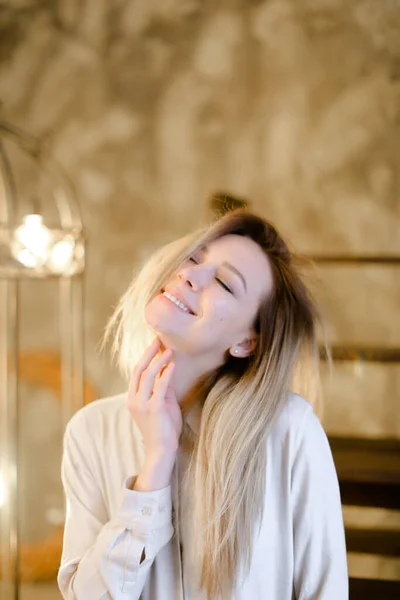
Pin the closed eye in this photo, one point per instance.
(221, 283)
(224, 285)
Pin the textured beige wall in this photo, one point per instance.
(151, 106)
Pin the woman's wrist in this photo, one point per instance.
(155, 475)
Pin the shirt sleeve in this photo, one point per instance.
(320, 565)
(101, 556)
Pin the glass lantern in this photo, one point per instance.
(42, 261)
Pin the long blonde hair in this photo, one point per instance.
(240, 401)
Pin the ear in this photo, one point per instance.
(245, 348)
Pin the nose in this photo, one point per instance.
(197, 277)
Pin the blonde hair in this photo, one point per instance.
(240, 400)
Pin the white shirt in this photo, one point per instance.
(300, 552)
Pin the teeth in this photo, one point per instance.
(176, 301)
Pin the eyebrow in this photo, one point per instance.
(235, 270)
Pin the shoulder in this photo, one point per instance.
(104, 432)
(295, 413)
(298, 427)
(98, 416)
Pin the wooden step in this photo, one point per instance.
(373, 541)
(368, 471)
(373, 589)
(377, 495)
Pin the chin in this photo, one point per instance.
(158, 318)
(152, 315)
(163, 327)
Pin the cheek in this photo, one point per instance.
(217, 308)
(220, 314)
(233, 316)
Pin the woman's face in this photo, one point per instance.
(210, 305)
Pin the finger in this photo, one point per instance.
(148, 377)
(162, 384)
(142, 364)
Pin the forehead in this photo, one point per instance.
(248, 257)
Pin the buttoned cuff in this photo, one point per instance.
(144, 512)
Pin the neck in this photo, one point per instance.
(188, 370)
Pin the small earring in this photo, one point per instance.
(236, 350)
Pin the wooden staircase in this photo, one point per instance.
(369, 476)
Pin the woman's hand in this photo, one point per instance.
(154, 406)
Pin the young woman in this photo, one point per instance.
(209, 479)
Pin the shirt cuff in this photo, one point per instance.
(145, 511)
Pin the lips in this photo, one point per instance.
(179, 297)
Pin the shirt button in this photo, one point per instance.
(147, 511)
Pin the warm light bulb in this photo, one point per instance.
(33, 240)
(26, 258)
(61, 255)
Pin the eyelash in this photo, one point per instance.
(222, 284)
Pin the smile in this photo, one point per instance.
(177, 302)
